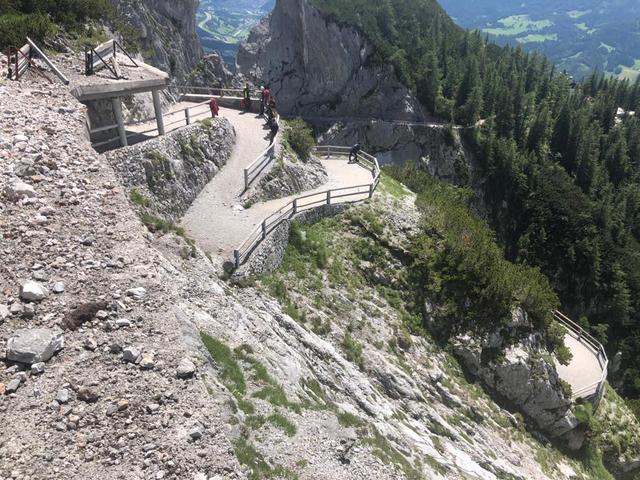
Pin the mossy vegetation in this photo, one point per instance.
(298, 136)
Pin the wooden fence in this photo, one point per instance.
(104, 56)
(311, 201)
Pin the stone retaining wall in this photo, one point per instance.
(170, 171)
(268, 255)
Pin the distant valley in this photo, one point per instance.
(223, 24)
(578, 35)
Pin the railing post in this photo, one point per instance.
(187, 116)
(371, 190)
(246, 179)
(329, 197)
(264, 230)
(295, 206)
(236, 256)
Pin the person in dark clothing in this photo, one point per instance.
(353, 154)
(274, 129)
(214, 107)
(246, 96)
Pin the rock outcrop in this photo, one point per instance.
(319, 68)
(167, 32)
(523, 379)
(289, 175)
(435, 148)
(212, 72)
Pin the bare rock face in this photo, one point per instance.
(526, 381)
(211, 71)
(167, 31)
(316, 67)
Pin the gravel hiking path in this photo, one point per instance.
(217, 220)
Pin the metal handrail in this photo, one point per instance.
(592, 344)
(290, 210)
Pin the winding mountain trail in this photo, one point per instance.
(217, 220)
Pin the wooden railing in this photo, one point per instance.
(188, 117)
(216, 91)
(593, 345)
(20, 59)
(100, 57)
(304, 203)
(253, 171)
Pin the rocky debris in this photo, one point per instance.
(186, 369)
(19, 190)
(33, 291)
(35, 345)
(58, 288)
(131, 354)
(4, 312)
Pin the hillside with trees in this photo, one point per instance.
(559, 163)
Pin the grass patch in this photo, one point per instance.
(348, 420)
(230, 371)
(278, 420)
(138, 198)
(259, 469)
(352, 349)
(389, 455)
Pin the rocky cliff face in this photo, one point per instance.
(167, 32)
(318, 67)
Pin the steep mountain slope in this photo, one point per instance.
(554, 165)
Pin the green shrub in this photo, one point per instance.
(299, 137)
(14, 29)
(352, 349)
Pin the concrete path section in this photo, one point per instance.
(583, 371)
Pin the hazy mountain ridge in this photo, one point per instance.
(578, 35)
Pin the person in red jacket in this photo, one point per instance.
(214, 107)
(265, 100)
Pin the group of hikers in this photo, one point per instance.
(267, 108)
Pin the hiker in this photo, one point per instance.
(353, 154)
(214, 107)
(265, 99)
(246, 94)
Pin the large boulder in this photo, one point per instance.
(34, 345)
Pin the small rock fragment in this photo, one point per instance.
(19, 190)
(195, 433)
(12, 386)
(88, 394)
(147, 362)
(58, 288)
(137, 293)
(131, 354)
(34, 345)
(186, 369)
(62, 396)
(37, 368)
(33, 291)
